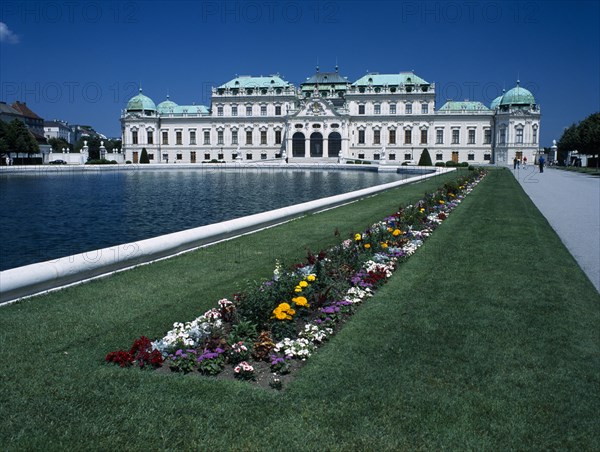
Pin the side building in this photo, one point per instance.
(328, 119)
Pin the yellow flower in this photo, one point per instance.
(396, 232)
(303, 284)
(367, 245)
(421, 210)
(357, 237)
(441, 201)
(311, 277)
(390, 229)
(283, 312)
(384, 245)
(298, 289)
(300, 301)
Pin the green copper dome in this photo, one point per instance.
(140, 103)
(495, 102)
(166, 106)
(518, 96)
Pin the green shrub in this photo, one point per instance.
(425, 159)
(464, 164)
(440, 164)
(450, 164)
(128, 162)
(144, 157)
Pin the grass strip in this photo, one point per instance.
(472, 344)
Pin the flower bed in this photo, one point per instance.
(264, 333)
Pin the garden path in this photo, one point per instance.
(571, 203)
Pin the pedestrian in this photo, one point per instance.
(542, 161)
(524, 162)
(518, 163)
(515, 163)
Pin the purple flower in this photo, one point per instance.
(219, 350)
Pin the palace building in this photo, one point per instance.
(330, 119)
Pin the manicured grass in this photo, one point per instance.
(475, 343)
(579, 169)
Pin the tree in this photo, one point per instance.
(425, 159)
(20, 139)
(58, 144)
(589, 135)
(144, 157)
(4, 148)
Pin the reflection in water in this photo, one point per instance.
(46, 216)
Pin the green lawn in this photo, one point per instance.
(475, 343)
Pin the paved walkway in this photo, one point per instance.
(571, 204)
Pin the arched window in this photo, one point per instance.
(316, 145)
(335, 144)
(298, 144)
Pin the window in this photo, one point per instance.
(249, 110)
(439, 157)
(377, 109)
(502, 138)
(519, 136)
(377, 137)
(134, 137)
(165, 137)
(487, 157)
(219, 137)
(248, 136)
(392, 157)
(409, 109)
(471, 136)
(424, 108)
(179, 156)
(392, 137)
(278, 110)
(178, 137)
(376, 156)
(263, 156)
(361, 137)
(206, 137)
(534, 135)
(192, 137)
(455, 133)
(248, 156)
(207, 156)
(470, 156)
(423, 136)
(487, 136)
(220, 156)
(392, 109)
(439, 136)
(219, 111)
(407, 136)
(234, 137)
(150, 156)
(263, 110)
(150, 136)
(234, 110)
(278, 137)
(263, 137)
(361, 109)
(361, 156)
(407, 156)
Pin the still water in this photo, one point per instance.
(49, 215)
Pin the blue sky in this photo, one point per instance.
(82, 61)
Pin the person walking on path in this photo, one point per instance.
(515, 163)
(524, 162)
(542, 161)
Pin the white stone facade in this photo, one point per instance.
(329, 118)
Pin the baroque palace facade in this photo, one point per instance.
(330, 119)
